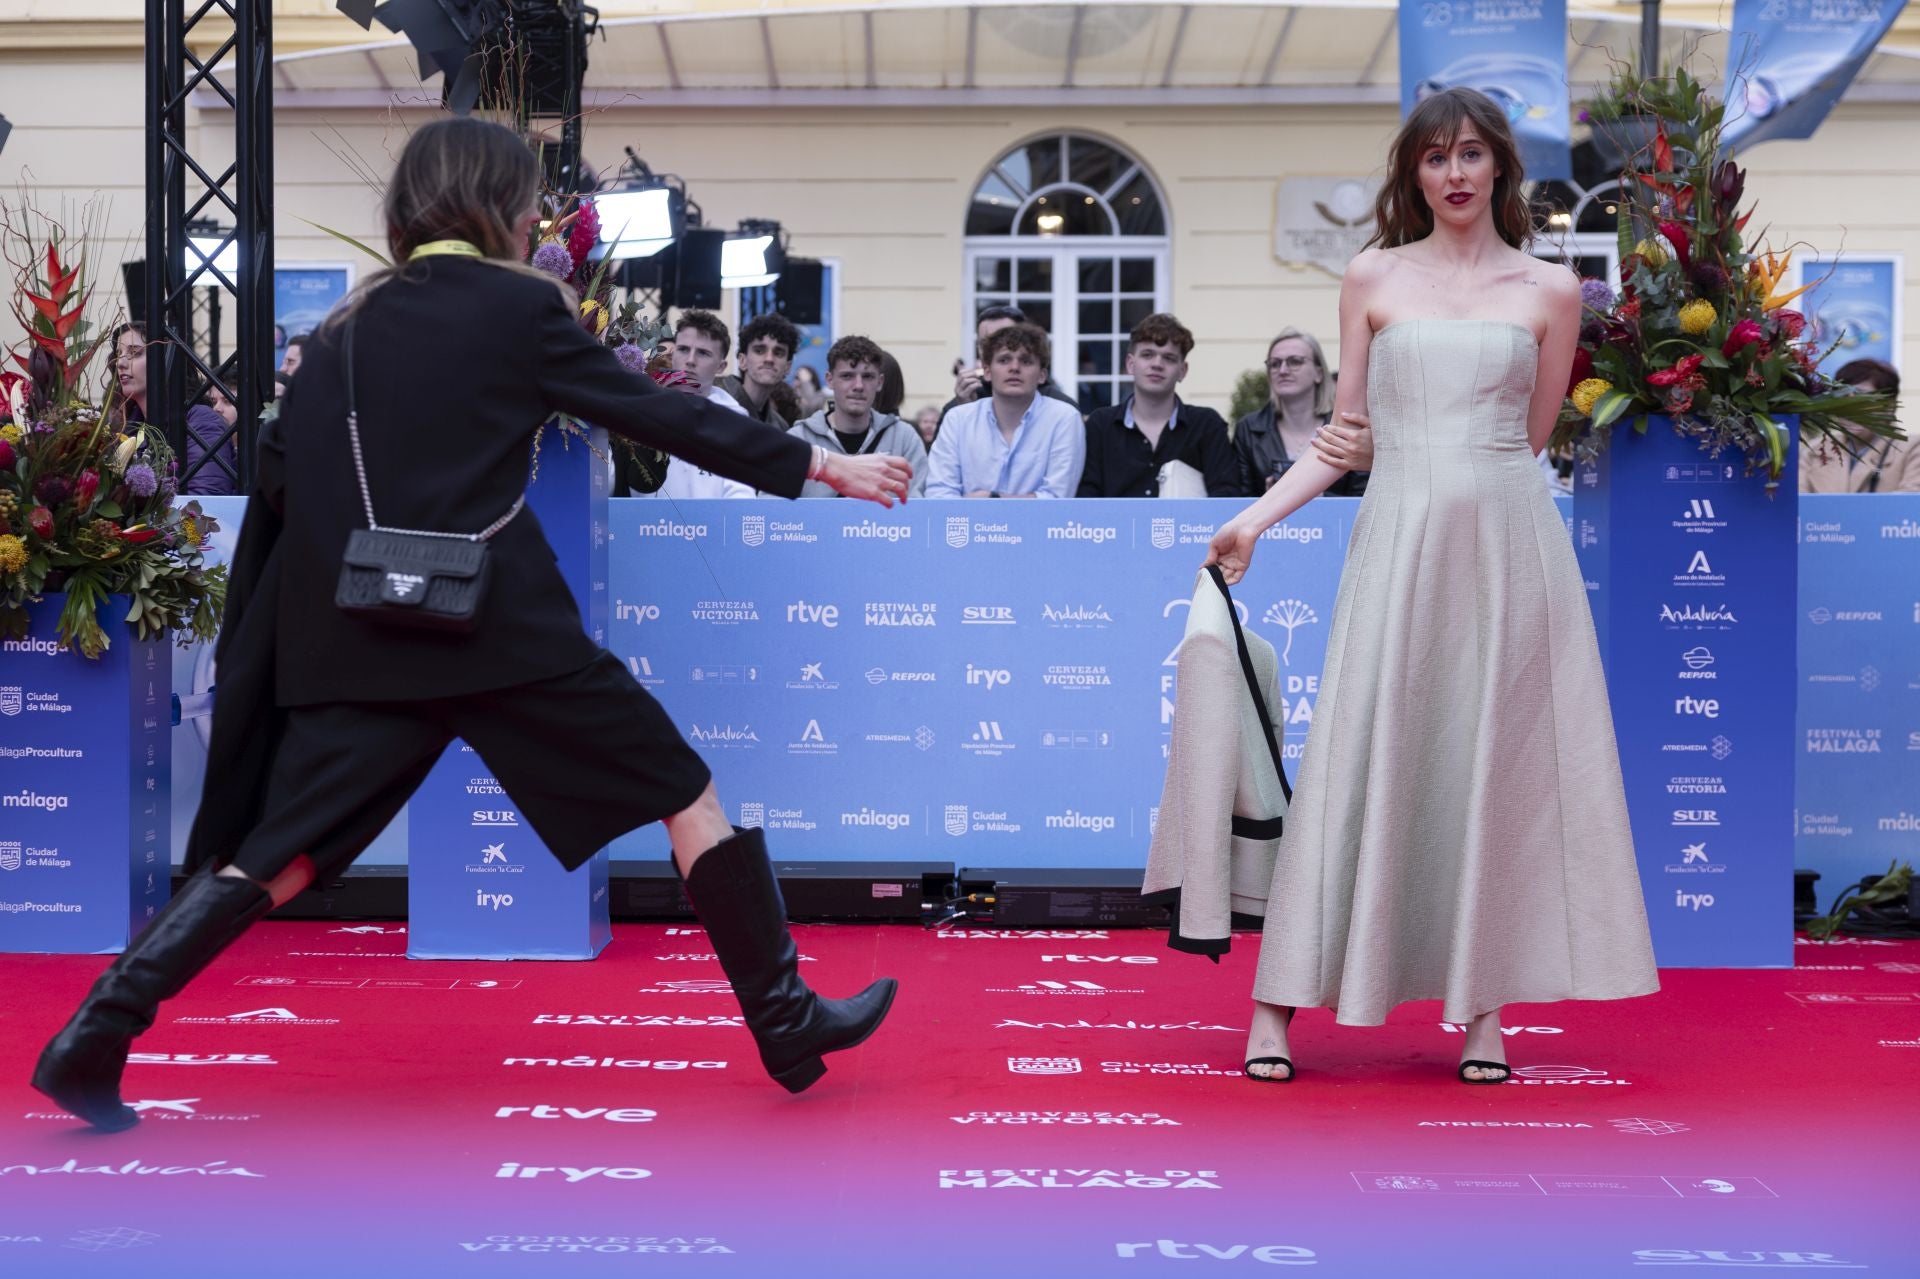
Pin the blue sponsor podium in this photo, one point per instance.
(480, 884)
(84, 808)
(1691, 571)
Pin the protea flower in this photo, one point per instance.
(1729, 181)
(1696, 317)
(40, 520)
(1744, 334)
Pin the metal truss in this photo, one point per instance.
(184, 187)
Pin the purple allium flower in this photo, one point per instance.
(1708, 279)
(632, 357)
(141, 480)
(552, 257)
(1596, 295)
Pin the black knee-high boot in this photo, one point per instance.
(80, 1069)
(738, 900)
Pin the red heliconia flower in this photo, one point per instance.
(1686, 368)
(1790, 323)
(138, 535)
(1582, 367)
(40, 520)
(672, 378)
(1744, 335)
(1682, 242)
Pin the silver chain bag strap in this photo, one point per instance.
(411, 577)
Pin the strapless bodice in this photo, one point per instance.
(1448, 385)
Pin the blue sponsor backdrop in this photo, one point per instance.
(83, 807)
(1859, 698)
(1690, 569)
(480, 884)
(1790, 60)
(1109, 610)
(985, 683)
(1514, 51)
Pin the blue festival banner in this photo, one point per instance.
(1858, 782)
(480, 884)
(1853, 307)
(84, 807)
(1791, 60)
(1690, 568)
(918, 684)
(990, 684)
(1514, 51)
(303, 293)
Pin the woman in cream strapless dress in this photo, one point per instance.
(1459, 829)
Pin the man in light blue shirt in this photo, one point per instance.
(1015, 442)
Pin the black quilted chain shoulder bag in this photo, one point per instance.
(409, 577)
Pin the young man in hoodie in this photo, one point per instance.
(850, 424)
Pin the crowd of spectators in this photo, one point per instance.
(1010, 429)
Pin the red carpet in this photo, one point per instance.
(1038, 1105)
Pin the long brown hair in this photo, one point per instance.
(1401, 214)
(457, 179)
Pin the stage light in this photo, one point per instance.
(211, 245)
(752, 256)
(638, 224)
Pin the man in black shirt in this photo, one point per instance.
(1129, 444)
(767, 346)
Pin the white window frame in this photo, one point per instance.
(1064, 252)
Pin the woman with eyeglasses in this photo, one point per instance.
(1297, 419)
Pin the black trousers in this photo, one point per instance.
(584, 757)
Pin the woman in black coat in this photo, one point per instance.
(327, 722)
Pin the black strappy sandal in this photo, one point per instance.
(1506, 1071)
(1287, 1078)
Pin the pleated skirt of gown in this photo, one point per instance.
(1459, 827)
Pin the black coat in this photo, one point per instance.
(455, 367)
(1262, 453)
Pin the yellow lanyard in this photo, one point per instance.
(446, 248)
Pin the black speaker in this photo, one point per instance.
(134, 276)
(696, 278)
(798, 293)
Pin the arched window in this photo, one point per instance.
(1073, 231)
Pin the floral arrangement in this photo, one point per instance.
(87, 507)
(562, 249)
(1700, 329)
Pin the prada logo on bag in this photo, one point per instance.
(401, 586)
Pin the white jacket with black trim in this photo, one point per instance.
(1225, 796)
